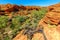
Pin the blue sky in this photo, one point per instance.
(30, 2)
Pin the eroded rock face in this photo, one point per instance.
(53, 15)
(13, 9)
(5, 7)
(52, 18)
(9, 8)
(54, 7)
(33, 7)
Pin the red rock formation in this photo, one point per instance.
(8, 8)
(13, 9)
(53, 7)
(52, 18)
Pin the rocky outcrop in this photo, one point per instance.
(12, 7)
(54, 7)
(22, 10)
(52, 18)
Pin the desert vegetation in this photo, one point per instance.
(33, 22)
(11, 23)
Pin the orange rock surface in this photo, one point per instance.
(52, 18)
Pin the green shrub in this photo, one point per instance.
(22, 21)
(17, 21)
(7, 38)
(39, 14)
(3, 21)
(34, 18)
